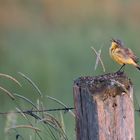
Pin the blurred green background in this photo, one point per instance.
(50, 41)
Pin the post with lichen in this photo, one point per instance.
(104, 107)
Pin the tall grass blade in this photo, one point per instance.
(11, 78)
(61, 103)
(26, 99)
(32, 83)
(8, 93)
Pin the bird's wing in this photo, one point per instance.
(130, 53)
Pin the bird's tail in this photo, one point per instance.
(138, 67)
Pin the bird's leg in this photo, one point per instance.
(121, 67)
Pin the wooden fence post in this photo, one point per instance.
(104, 107)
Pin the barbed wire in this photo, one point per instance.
(35, 111)
(45, 110)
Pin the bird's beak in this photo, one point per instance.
(113, 40)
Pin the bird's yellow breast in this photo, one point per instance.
(116, 56)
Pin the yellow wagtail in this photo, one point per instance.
(122, 55)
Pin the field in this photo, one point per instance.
(50, 42)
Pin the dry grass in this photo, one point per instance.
(45, 123)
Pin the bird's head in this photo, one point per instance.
(116, 43)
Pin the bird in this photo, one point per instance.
(122, 55)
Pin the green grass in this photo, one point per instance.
(54, 55)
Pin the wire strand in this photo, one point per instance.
(43, 110)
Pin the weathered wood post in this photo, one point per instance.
(104, 107)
